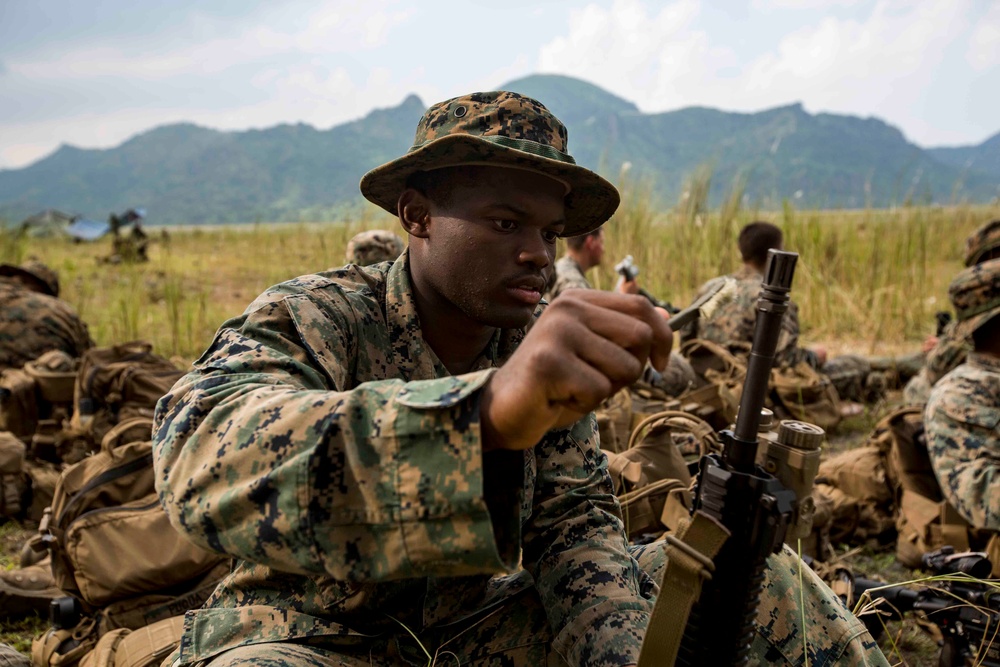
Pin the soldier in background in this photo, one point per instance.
(962, 417)
(583, 253)
(948, 351)
(33, 319)
(732, 325)
(374, 246)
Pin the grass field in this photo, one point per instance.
(868, 281)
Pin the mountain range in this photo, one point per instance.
(184, 173)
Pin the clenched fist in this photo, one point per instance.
(587, 345)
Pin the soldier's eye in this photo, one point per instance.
(505, 225)
(550, 236)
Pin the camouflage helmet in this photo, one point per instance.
(975, 293)
(502, 129)
(42, 278)
(373, 246)
(981, 242)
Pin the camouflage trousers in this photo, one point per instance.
(517, 634)
(851, 376)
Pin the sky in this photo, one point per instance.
(93, 74)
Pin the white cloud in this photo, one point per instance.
(984, 45)
(661, 59)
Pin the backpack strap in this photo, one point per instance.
(689, 561)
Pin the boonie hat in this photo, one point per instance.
(975, 293)
(374, 246)
(981, 242)
(42, 277)
(501, 129)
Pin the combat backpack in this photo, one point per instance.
(117, 383)
(653, 474)
(114, 551)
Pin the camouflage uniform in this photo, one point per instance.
(567, 275)
(732, 326)
(32, 323)
(373, 246)
(321, 441)
(951, 350)
(962, 417)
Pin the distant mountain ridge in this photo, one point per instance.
(185, 173)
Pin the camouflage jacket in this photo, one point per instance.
(732, 325)
(321, 442)
(32, 323)
(962, 420)
(948, 354)
(567, 275)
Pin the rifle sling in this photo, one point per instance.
(689, 561)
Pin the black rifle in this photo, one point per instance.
(629, 271)
(966, 611)
(754, 505)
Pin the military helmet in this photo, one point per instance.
(975, 293)
(981, 242)
(42, 278)
(373, 246)
(501, 129)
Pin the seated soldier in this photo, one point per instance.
(33, 320)
(403, 471)
(948, 351)
(583, 253)
(962, 417)
(732, 324)
(373, 246)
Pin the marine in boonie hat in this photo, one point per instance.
(983, 244)
(40, 277)
(975, 293)
(500, 129)
(374, 246)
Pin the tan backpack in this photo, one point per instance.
(107, 533)
(114, 552)
(653, 475)
(117, 383)
(800, 392)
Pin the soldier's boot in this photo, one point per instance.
(27, 590)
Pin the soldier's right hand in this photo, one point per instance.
(586, 346)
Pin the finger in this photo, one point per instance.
(581, 389)
(620, 365)
(632, 323)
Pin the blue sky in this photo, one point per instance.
(93, 74)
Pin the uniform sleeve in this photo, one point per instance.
(597, 599)
(964, 450)
(266, 453)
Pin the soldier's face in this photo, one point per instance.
(490, 244)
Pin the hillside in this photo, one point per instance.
(189, 174)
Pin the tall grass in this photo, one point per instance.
(868, 279)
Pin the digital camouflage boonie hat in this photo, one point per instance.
(42, 277)
(981, 242)
(501, 129)
(374, 246)
(975, 293)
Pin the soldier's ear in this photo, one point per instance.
(414, 210)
